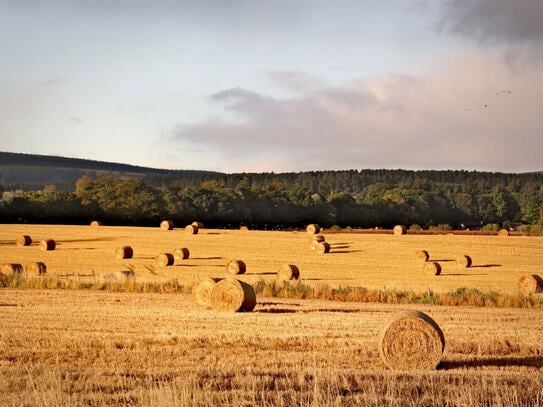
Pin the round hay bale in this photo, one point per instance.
(399, 230)
(233, 295)
(411, 341)
(191, 229)
(503, 232)
(166, 225)
(288, 272)
(422, 255)
(323, 247)
(318, 238)
(244, 228)
(48, 244)
(236, 266)
(201, 292)
(96, 223)
(11, 268)
(199, 225)
(124, 252)
(165, 259)
(313, 229)
(23, 240)
(463, 261)
(35, 268)
(181, 254)
(432, 267)
(315, 245)
(530, 284)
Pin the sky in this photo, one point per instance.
(280, 85)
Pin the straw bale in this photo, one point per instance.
(411, 341)
(235, 266)
(233, 295)
(201, 292)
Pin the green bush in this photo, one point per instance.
(491, 227)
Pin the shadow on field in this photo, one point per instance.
(335, 246)
(339, 243)
(276, 311)
(79, 248)
(442, 261)
(101, 239)
(527, 361)
(294, 304)
(486, 265)
(212, 233)
(208, 258)
(333, 250)
(463, 274)
(307, 311)
(266, 273)
(6, 304)
(7, 242)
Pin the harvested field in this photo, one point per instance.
(89, 347)
(375, 261)
(60, 347)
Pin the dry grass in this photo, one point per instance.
(130, 347)
(78, 348)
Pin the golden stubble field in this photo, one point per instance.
(358, 260)
(63, 347)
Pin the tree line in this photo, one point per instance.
(367, 198)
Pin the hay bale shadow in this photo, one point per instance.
(526, 361)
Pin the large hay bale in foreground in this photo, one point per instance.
(235, 266)
(201, 292)
(36, 268)
(48, 244)
(166, 225)
(399, 230)
(96, 223)
(323, 248)
(23, 240)
(530, 284)
(124, 252)
(313, 229)
(463, 261)
(11, 268)
(411, 341)
(164, 259)
(288, 272)
(181, 254)
(191, 229)
(432, 268)
(503, 232)
(233, 295)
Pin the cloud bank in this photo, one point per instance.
(495, 21)
(474, 113)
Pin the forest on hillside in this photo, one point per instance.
(366, 198)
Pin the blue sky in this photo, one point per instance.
(275, 85)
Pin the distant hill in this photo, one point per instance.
(33, 172)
